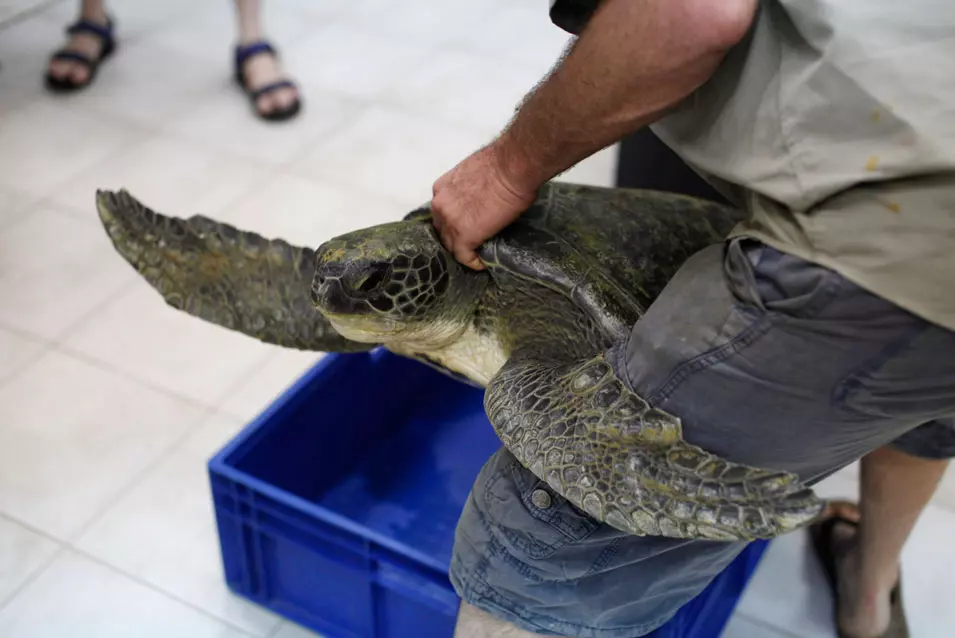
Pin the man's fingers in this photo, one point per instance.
(450, 239)
(469, 258)
(447, 238)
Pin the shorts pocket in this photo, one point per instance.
(530, 517)
(764, 279)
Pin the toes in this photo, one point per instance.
(274, 101)
(285, 98)
(61, 69)
(265, 104)
(843, 509)
(80, 74)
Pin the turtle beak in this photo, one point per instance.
(345, 288)
(328, 295)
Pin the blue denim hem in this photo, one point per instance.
(473, 590)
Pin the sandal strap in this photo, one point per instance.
(73, 56)
(104, 33)
(244, 52)
(268, 88)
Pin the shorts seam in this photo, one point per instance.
(853, 381)
(607, 555)
(499, 549)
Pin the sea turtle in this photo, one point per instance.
(541, 329)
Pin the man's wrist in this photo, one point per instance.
(516, 166)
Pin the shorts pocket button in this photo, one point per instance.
(541, 499)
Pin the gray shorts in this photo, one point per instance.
(768, 360)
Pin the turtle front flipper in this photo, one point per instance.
(583, 431)
(232, 278)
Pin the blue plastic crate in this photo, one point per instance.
(336, 507)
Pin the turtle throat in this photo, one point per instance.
(409, 335)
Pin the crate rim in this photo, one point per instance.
(217, 465)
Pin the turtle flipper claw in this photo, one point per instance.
(229, 277)
(595, 442)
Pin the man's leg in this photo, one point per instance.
(474, 623)
(895, 488)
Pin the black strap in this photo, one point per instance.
(74, 56)
(243, 53)
(268, 88)
(85, 26)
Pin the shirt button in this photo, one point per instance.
(541, 499)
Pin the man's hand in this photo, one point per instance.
(474, 201)
(633, 62)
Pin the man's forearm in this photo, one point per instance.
(634, 61)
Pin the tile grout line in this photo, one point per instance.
(26, 14)
(61, 548)
(139, 132)
(45, 347)
(73, 210)
(156, 589)
(137, 479)
(144, 382)
(65, 547)
(60, 345)
(33, 577)
(32, 528)
(159, 590)
(766, 625)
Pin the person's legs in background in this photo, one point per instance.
(73, 66)
(257, 67)
(275, 97)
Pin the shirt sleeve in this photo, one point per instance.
(572, 15)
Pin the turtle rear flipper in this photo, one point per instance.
(580, 428)
(232, 278)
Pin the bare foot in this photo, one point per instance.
(262, 70)
(864, 608)
(86, 44)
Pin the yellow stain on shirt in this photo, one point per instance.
(872, 164)
(876, 116)
(894, 207)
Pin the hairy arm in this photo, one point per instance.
(633, 61)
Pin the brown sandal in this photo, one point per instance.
(821, 535)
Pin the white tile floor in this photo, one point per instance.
(110, 403)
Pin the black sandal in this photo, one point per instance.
(821, 535)
(242, 55)
(107, 46)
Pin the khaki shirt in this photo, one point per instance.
(833, 124)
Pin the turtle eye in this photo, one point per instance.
(372, 281)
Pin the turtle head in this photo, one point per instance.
(395, 283)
